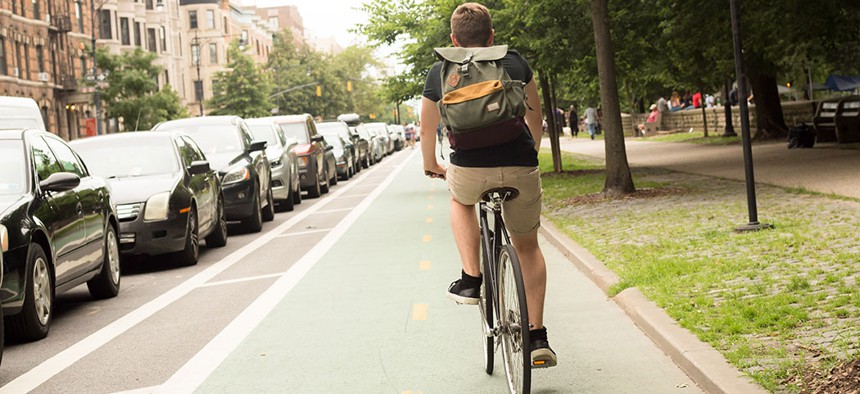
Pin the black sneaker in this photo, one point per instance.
(542, 355)
(463, 293)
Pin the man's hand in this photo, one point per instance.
(436, 171)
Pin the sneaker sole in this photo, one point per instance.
(462, 300)
(543, 358)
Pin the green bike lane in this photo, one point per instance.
(365, 311)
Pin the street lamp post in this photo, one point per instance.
(198, 84)
(97, 97)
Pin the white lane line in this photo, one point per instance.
(240, 280)
(334, 210)
(304, 232)
(49, 368)
(188, 378)
(354, 195)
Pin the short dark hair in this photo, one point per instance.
(472, 25)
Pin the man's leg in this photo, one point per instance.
(534, 275)
(464, 225)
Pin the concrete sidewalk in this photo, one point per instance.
(827, 168)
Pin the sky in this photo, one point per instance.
(325, 18)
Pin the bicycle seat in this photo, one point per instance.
(505, 193)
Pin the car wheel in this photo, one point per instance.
(325, 186)
(34, 321)
(218, 237)
(288, 203)
(316, 189)
(254, 223)
(269, 210)
(191, 253)
(297, 195)
(106, 283)
(332, 180)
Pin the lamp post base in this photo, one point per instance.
(753, 226)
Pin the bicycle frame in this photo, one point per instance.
(492, 245)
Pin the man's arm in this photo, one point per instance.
(430, 118)
(533, 112)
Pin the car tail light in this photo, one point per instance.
(303, 149)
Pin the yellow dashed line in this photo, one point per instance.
(419, 311)
(427, 238)
(429, 207)
(429, 220)
(425, 265)
(430, 197)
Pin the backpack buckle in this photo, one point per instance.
(464, 70)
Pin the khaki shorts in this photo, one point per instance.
(522, 215)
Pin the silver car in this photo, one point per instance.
(282, 157)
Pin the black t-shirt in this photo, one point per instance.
(519, 152)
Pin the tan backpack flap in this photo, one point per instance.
(462, 55)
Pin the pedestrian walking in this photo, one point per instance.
(591, 121)
(573, 121)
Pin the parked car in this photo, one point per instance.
(362, 145)
(59, 229)
(285, 164)
(374, 146)
(167, 196)
(352, 142)
(343, 157)
(20, 113)
(241, 163)
(316, 168)
(398, 135)
(381, 130)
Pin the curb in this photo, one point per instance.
(702, 363)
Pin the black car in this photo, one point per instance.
(246, 177)
(343, 156)
(59, 230)
(316, 162)
(167, 196)
(352, 141)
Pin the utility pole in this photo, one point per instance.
(198, 84)
(97, 97)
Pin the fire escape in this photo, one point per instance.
(61, 25)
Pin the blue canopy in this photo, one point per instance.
(841, 83)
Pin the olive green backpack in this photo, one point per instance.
(481, 106)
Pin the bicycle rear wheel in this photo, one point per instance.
(513, 321)
(486, 305)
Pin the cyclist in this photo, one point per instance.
(471, 172)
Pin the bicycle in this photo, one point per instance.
(503, 294)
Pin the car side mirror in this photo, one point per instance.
(199, 167)
(317, 138)
(60, 182)
(328, 148)
(258, 146)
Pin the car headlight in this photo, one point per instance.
(275, 163)
(157, 207)
(303, 161)
(236, 175)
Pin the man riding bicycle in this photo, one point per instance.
(512, 162)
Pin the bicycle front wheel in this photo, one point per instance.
(514, 321)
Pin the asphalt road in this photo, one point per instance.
(345, 294)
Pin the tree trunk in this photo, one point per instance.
(704, 112)
(770, 123)
(618, 178)
(547, 111)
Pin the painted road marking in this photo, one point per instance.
(410, 392)
(334, 210)
(322, 230)
(429, 220)
(427, 238)
(430, 197)
(240, 280)
(49, 368)
(353, 195)
(425, 265)
(195, 371)
(419, 311)
(429, 207)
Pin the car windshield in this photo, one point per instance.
(213, 138)
(333, 140)
(113, 158)
(295, 130)
(264, 132)
(12, 175)
(363, 133)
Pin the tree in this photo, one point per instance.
(243, 89)
(132, 93)
(618, 178)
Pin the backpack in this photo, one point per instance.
(481, 105)
(801, 136)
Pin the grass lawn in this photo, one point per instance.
(781, 305)
(697, 137)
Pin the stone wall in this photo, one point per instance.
(793, 111)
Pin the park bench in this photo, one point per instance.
(825, 120)
(652, 127)
(847, 121)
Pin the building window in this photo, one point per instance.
(244, 40)
(213, 53)
(210, 19)
(166, 78)
(149, 5)
(225, 26)
(163, 36)
(14, 7)
(40, 59)
(36, 13)
(18, 64)
(84, 65)
(137, 34)
(3, 70)
(151, 42)
(273, 22)
(79, 17)
(123, 31)
(192, 19)
(26, 61)
(23, 8)
(195, 54)
(104, 25)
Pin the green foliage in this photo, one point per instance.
(243, 89)
(132, 93)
